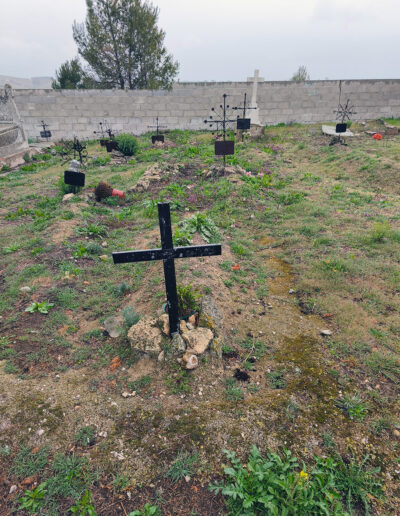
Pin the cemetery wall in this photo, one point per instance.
(188, 104)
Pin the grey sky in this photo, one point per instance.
(224, 40)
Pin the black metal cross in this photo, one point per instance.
(168, 253)
(243, 123)
(45, 133)
(157, 137)
(224, 147)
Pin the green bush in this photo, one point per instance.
(127, 144)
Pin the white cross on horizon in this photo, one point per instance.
(255, 119)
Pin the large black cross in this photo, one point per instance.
(168, 253)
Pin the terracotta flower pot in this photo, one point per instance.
(118, 193)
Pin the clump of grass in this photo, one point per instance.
(86, 436)
(353, 406)
(182, 466)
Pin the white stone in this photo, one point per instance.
(198, 340)
(67, 197)
(145, 336)
(190, 360)
(326, 333)
(25, 289)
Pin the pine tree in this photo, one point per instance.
(123, 46)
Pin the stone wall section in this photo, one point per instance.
(70, 112)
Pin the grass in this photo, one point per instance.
(322, 223)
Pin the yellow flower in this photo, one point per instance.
(303, 474)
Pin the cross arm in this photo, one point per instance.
(192, 251)
(146, 255)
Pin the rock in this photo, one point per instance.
(113, 326)
(190, 360)
(104, 244)
(192, 320)
(12, 489)
(182, 327)
(291, 291)
(145, 336)
(326, 333)
(396, 433)
(126, 394)
(178, 343)
(190, 326)
(211, 316)
(67, 197)
(163, 322)
(25, 290)
(161, 356)
(198, 340)
(53, 152)
(103, 257)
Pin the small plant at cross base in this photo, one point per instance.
(42, 307)
(188, 300)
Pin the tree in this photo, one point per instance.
(71, 76)
(123, 46)
(301, 75)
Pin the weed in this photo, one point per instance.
(182, 466)
(130, 316)
(380, 231)
(31, 501)
(92, 229)
(139, 384)
(148, 510)
(275, 485)
(276, 380)
(353, 406)
(122, 289)
(203, 225)
(232, 392)
(86, 436)
(26, 463)
(84, 506)
(188, 299)
(42, 307)
(179, 382)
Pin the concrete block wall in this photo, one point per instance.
(70, 112)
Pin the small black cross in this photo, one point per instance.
(168, 253)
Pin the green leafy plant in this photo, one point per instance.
(182, 466)
(84, 506)
(203, 225)
(92, 229)
(127, 144)
(141, 383)
(26, 463)
(86, 436)
(353, 406)
(122, 289)
(42, 307)
(276, 380)
(275, 485)
(188, 299)
(11, 248)
(148, 510)
(130, 316)
(31, 501)
(232, 391)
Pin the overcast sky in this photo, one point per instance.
(224, 40)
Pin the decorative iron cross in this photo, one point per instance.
(157, 137)
(224, 147)
(168, 253)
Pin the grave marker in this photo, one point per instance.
(168, 253)
(225, 147)
(73, 176)
(157, 137)
(243, 124)
(45, 133)
(256, 79)
(343, 113)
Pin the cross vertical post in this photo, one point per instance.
(168, 253)
(169, 267)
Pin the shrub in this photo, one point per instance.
(127, 144)
(188, 299)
